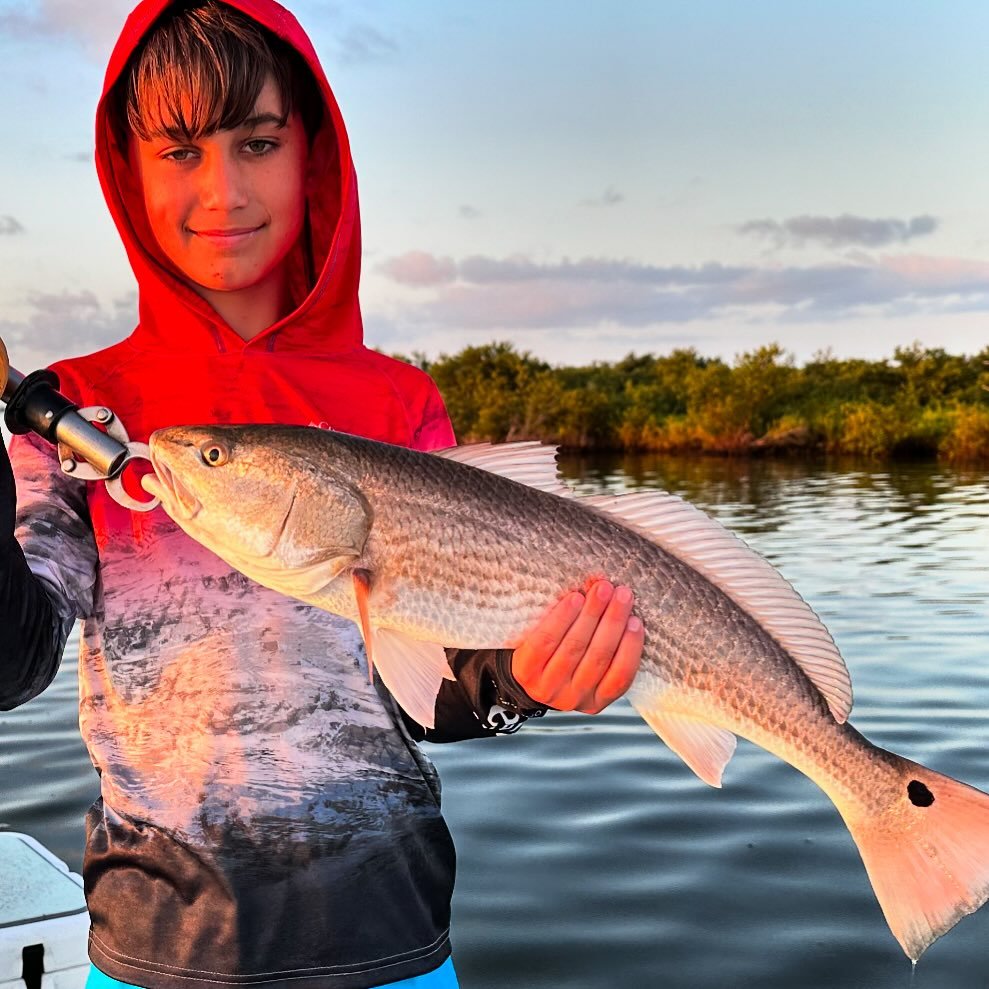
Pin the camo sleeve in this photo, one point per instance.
(484, 700)
(47, 574)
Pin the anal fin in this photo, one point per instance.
(704, 747)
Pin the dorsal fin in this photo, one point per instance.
(528, 462)
(701, 542)
(749, 580)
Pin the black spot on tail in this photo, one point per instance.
(919, 795)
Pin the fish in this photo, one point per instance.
(468, 547)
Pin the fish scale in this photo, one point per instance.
(462, 561)
(441, 553)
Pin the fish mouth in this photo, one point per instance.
(176, 497)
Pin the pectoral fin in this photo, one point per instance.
(412, 670)
(362, 591)
(702, 746)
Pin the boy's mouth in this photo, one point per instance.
(229, 237)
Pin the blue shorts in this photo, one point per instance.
(443, 977)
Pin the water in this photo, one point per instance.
(591, 858)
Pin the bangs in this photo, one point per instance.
(202, 69)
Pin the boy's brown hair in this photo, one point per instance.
(201, 68)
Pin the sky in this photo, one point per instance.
(582, 180)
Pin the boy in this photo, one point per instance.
(265, 814)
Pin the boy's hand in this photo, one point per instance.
(584, 653)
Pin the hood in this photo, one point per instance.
(172, 316)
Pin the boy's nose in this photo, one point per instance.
(223, 185)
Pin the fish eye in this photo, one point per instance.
(214, 454)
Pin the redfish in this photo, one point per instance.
(468, 547)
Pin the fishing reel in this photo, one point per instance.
(85, 450)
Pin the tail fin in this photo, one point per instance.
(928, 856)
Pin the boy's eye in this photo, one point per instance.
(260, 146)
(178, 154)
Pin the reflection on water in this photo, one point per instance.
(591, 858)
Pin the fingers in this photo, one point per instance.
(617, 678)
(582, 659)
(589, 643)
(530, 658)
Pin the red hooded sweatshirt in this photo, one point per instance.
(265, 816)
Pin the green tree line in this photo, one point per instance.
(921, 402)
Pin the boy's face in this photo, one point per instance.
(227, 208)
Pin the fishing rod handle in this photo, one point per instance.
(34, 404)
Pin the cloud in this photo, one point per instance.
(840, 231)
(610, 197)
(64, 305)
(362, 43)
(10, 226)
(18, 24)
(94, 25)
(486, 293)
(543, 305)
(469, 212)
(422, 268)
(482, 269)
(64, 324)
(418, 268)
